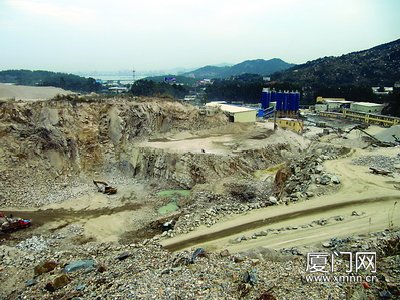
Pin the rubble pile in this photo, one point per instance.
(304, 172)
(151, 272)
(145, 271)
(207, 207)
(193, 216)
(388, 163)
(33, 244)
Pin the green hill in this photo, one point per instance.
(257, 66)
(378, 66)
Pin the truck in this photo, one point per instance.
(8, 224)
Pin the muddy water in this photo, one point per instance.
(215, 235)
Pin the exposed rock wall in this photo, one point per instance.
(46, 144)
(186, 170)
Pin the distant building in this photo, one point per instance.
(382, 90)
(331, 104)
(321, 107)
(204, 82)
(170, 80)
(118, 89)
(367, 107)
(323, 99)
(236, 114)
(190, 98)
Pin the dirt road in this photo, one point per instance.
(103, 218)
(374, 199)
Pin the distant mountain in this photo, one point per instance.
(378, 66)
(207, 72)
(258, 66)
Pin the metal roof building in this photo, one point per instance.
(236, 113)
(367, 107)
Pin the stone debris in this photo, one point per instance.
(150, 271)
(75, 229)
(100, 139)
(306, 171)
(34, 244)
(387, 163)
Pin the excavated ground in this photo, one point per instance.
(52, 150)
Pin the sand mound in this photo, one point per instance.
(387, 135)
(22, 92)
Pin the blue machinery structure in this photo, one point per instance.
(287, 103)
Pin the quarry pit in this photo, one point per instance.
(52, 150)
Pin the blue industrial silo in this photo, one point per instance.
(290, 101)
(279, 96)
(293, 98)
(296, 101)
(265, 98)
(285, 101)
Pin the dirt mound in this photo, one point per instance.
(21, 92)
(390, 134)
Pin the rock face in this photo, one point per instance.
(52, 144)
(186, 170)
(48, 144)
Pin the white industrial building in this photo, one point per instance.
(367, 107)
(236, 114)
(331, 104)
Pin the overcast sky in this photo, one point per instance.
(77, 35)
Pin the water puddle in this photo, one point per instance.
(174, 196)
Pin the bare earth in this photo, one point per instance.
(21, 92)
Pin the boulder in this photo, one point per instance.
(80, 264)
(31, 282)
(273, 200)
(319, 169)
(57, 283)
(123, 256)
(325, 179)
(335, 179)
(309, 194)
(45, 267)
(224, 253)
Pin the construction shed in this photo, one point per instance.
(236, 114)
(367, 107)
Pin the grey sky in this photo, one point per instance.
(76, 35)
